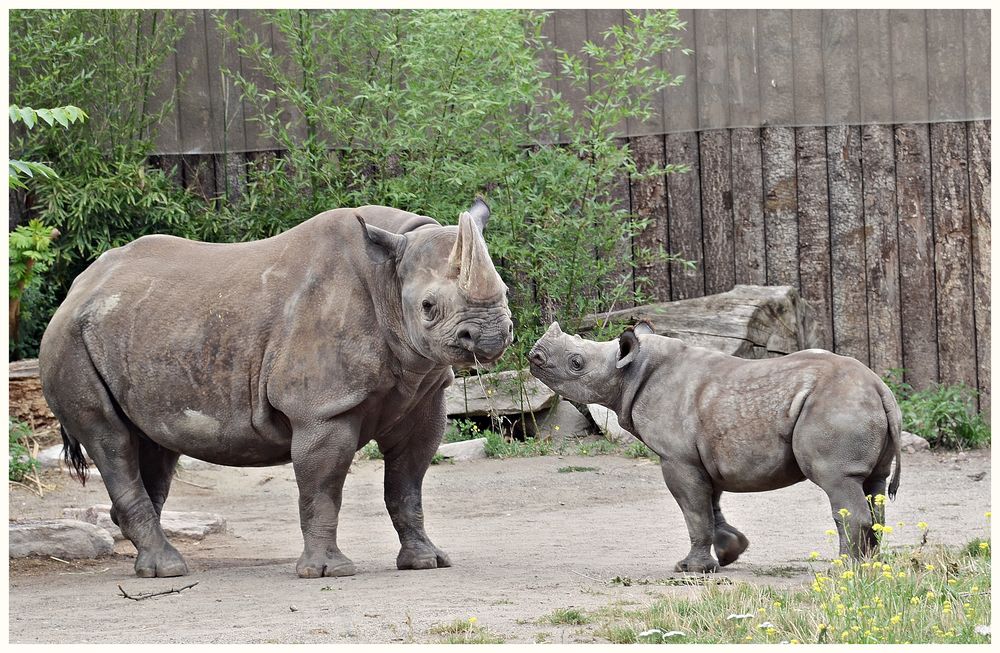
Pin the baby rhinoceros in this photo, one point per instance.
(726, 424)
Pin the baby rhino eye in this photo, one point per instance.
(576, 362)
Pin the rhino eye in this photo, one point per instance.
(428, 306)
(576, 363)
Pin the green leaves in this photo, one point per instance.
(65, 116)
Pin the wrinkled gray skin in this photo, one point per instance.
(302, 347)
(726, 424)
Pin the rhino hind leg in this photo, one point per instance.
(729, 542)
(852, 515)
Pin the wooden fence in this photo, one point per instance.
(885, 229)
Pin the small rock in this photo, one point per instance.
(466, 450)
(62, 538)
(562, 421)
(607, 422)
(505, 393)
(190, 525)
(911, 443)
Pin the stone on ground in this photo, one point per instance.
(562, 421)
(503, 393)
(190, 525)
(607, 422)
(62, 538)
(912, 443)
(465, 450)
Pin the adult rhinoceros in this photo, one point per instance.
(302, 347)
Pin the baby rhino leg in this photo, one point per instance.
(693, 492)
(729, 542)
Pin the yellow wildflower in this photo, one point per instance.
(989, 514)
(837, 562)
(974, 588)
(922, 525)
(844, 512)
(793, 641)
(901, 574)
(887, 529)
(770, 631)
(473, 620)
(879, 499)
(929, 567)
(877, 527)
(777, 604)
(895, 619)
(930, 594)
(749, 638)
(952, 581)
(847, 574)
(813, 555)
(886, 574)
(844, 635)
(914, 600)
(830, 532)
(984, 545)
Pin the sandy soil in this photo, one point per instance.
(524, 540)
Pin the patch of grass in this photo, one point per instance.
(597, 448)
(944, 415)
(20, 463)
(575, 468)
(922, 595)
(567, 617)
(542, 638)
(461, 430)
(639, 450)
(500, 446)
(781, 571)
(466, 631)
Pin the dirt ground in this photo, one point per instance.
(524, 540)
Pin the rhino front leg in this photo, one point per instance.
(693, 492)
(405, 466)
(321, 457)
(729, 541)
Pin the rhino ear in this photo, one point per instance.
(480, 213)
(391, 244)
(628, 347)
(643, 328)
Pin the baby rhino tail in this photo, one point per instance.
(73, 454)
(894, 417)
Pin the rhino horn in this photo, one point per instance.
(471, 265)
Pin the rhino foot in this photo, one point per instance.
(697, 565)
(729, 544)
(320, 566)
(165, 563)
(422, 556)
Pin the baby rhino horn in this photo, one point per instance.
(471, 265)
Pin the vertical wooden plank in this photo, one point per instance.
(979, 201)
(748, 208)
(945, 64)
(598, 22)
(780, 224)
(774, 38)
(649, 202)
(256, 27)
(813, 214)
(291, 68)
(570, 35)
(847, 242)
(684, 208)
(194, 103)
(743, 81)
(713, 70)
(680, 103)
(616, 289)
(909, 65)
(875, 66)
(881, 253)
(549, 63)
(953, 254)
(807, 58)
(653, 124)
(227, 104)
(715, 152)
(166, 135)
(839, 62)
(977, 63)
(918, 317)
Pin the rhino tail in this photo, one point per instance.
(73, 455)
(895, 438)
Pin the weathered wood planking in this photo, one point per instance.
(976, 38)
(881, 247)
(165, 134)
(781, 229)
(599, 21)
(256, 135)
(680, 103)
(684, 209)
(715, 153)
(945, 64)
(979, 202)
(744, 82)
(749, 255)
(909, 65)
(839, 65)
(612, 292)
(847, 242)
(777, 104)
(917, 317)
(712, 59)
(874, 66)
(649, 202)
(813, 216)
(807, 67)
(953, 254)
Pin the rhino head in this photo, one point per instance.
(454, 304)
(585, 370)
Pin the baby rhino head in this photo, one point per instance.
(585, 370)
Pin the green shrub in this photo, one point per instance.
(944, 415)
(20, 462)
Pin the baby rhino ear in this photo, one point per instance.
(643, 328)
(628, 347)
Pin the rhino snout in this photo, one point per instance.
(487, 344)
